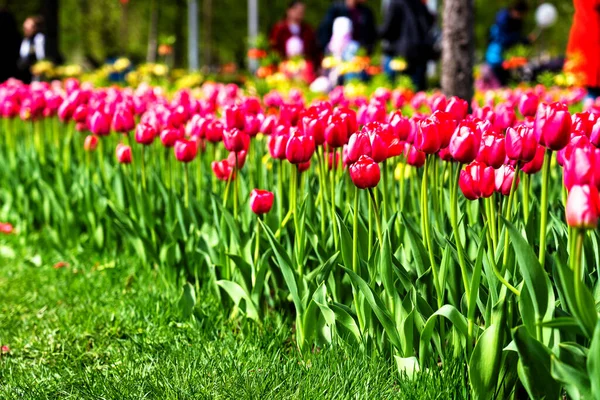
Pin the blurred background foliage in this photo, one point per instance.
(93, 31)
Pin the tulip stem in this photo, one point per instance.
(377, 216)
(334, 230)
(454, 223)
(256, 249)
(507, 214)
(235, 189)
(143, 162)
(526, 185)
(427, 233)
(280, 191)
(355, 261)
(386, 198)
(544, 206)
(577, 268)
(322, 188)
(186, 185)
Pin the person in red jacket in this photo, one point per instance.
(583, 51)
(293, 37)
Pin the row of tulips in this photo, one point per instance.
(399, 223)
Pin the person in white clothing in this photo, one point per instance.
(33, 47)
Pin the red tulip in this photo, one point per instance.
(595, 133)
(99, 124)
(504, 179)
(241, 159)
(358, 145)
(583, 122)
(379, 148)
(277, 146)
(465, 143)
(123, 120)
(214, 131)
(365, 173)
(505, 117)
(251, 125)
(477, 180)
(6, 228)
(235, 140)
(223, 170)
(414, 157)
(123, 154)
(303, 166)
(446, 126)
(300, 148)
(437, 102)
(520, 144)
(144, 134)
(492, 151)
(170, 136)
(185, 150)
(534, 166)
(552, 127)
(336, 132)
(81, 113)
(583, 207)
(315, 127)
(581, 168)
(428, 138)
(400, 125)
(261, 201)
(90, 143)
(457, 107)
(528, 104)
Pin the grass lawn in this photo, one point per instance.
(109, 328)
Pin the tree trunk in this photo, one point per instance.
(458, 46)
(50, 12)
(207, 15)
(153, 32)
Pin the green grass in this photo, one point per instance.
(105, 328)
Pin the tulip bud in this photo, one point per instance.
(552, 127)
(315, 127)
(123, 153)
(465, 143)
(300, 148)
(477, 180)
(492, 151)
(400, 125)
(428, 138)
(6, 228)
(534, 166)
(520, 144)
(214, 131)
(581, 168)
(144, 134)
(261, 201)
(240, 157)
(223, 170)
(414, 157)
(583, 207)
(277, 146)
(123, 120)
(336, 132)
(185, 150)
(303, 166)
(170, 136)
(90, 143)
(528, 104)
(99, 124)
(358, 145)
(457, 107)
(365, 173)
(504, 179)
(235, 140)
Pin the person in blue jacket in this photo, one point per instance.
(504, 34)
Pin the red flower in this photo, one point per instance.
(300, 148)
(185, 150)
(123, 154)
(60, 264)
(235, 140)
(336, 132)
(504, 179)
(99, 123)
(457, 107)
(6, 228)
(428, 138)
(358, 145)
(528, 104)
(123, 120)
(465, 143)
(261, 201)
(477, 180)
(414, 157)
(520, 144)
(400, 125)
(534, 166)
(583, 207)
(365, 173)
(214, 131)
(492, 150)
(170, 136)
(90, 143)
(145, 134)
(552, 127)
(223, 170)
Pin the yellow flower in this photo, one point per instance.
(121, 64)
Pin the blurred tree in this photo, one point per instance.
(458, 46)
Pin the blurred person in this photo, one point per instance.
(9, 45)
(33, 47)
(364, 31)
(292, 37)
(504, 34)
(407, 33)
(583, 50)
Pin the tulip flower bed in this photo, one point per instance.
(404, 227)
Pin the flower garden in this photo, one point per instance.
(422, 232)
